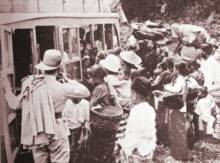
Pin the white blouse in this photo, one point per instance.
(140, 131)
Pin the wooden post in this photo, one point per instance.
(4, 123)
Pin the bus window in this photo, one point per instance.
(70, 41)
(75, 42)
(45, 38)
(88, 37)
(66, 40)
(115, 38)
(108, 36)
(74, 70)
(98, 36)
(8, 60)
(85, 40)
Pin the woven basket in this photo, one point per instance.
(107, 118)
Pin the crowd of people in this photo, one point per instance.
(173, 105)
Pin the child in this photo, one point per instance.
(139, 142)
(123, 88)
(77, 117)
(204, 108)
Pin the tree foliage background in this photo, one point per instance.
(150, 9)
(205, 13)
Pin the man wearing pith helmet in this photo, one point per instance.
(42, 100)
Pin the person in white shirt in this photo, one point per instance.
(178, 84)
(178, 123)
(204, 108)
(76, 115)
(139, 142)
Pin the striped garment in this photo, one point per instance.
(122, 127)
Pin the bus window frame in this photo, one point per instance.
(70, 41)
(114, 29)
(7, 61)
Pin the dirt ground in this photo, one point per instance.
(205, 151)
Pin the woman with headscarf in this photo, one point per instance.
(177, 121)
(102, 141)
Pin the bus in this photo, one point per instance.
(28, 28)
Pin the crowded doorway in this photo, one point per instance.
(22, 55)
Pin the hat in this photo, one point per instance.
(81, 93)
(131, 57)
(217, 54)
(111, 63)
(65, 58)
(142, 86)
(51, 60)
(189, 53)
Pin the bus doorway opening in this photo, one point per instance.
(22, 55)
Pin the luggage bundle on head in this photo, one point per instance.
(151, 31)
(190, 34)
(107, 118)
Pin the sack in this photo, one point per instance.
(174, 102)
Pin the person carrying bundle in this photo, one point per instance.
(42, 100)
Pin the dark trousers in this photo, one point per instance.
(162, 124)
(178, 135)
(75, 149)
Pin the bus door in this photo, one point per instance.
(9, 128)
(25, 53)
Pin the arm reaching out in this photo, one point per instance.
(13, 101)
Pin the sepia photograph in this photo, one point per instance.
(109, 81)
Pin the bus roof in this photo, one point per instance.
(8, 18)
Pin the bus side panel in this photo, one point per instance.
(5, 6)
(51, 6)
(2, 113)
(92, 6)
(31, 6)
(76, 6)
